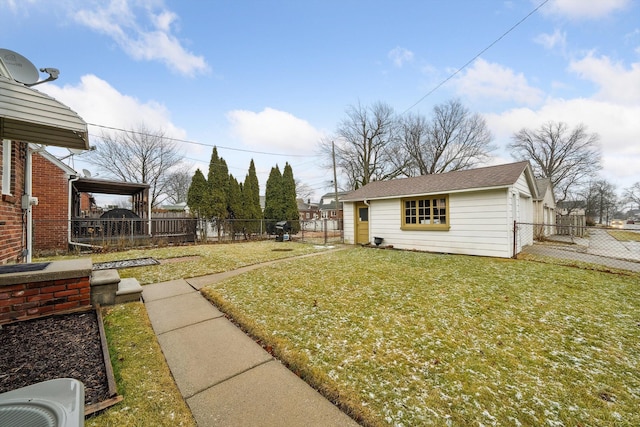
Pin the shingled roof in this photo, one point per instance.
(487, 177)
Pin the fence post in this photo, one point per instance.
(515, 237)
(324, 224)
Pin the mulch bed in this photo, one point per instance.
(58, 346)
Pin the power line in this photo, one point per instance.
(198, 143)
(452, 75)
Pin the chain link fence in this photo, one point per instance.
(608, 246)
(59, 236)
(320, 231)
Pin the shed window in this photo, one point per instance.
(425, 213)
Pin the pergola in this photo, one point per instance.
(139, 194)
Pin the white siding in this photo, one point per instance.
(348, 216)
(479, 223)
(524, 213)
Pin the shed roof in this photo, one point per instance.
(31, 116)
(103, 186)
(472, 179)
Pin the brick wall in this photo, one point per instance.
(26, 300)
(50, 216)
(11, 225)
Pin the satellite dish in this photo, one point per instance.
(20, 68)
(86, 173)
(75, 151)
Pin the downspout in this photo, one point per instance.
(26, 203)
(70, 203)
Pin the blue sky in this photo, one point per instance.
(277, 76)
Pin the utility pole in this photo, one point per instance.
(335, 184)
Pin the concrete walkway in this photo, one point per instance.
(224, 376)
(599, 248)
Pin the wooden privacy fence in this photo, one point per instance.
(571, 225)
(97, 230)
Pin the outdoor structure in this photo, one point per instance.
(544, 209)
(464, 212)
(27, 115)
(88, 228)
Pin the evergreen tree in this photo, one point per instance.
(273, 209)
(289, 202)
(199, 201)
(251, 201)
(234, 207)
(219, 188)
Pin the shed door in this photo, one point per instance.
(362, 223)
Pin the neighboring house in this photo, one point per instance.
(464, 212)
(327, 205)
(27, 115)
(308, 211)
(544, 208)
(51, 214)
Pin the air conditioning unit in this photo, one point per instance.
(53, 403)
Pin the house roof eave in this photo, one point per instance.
(435, 193)
(31, 116)
(466, 180)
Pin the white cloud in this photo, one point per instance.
(118, 21)
(485, 80)
(616, 82)
(617, 126)
(273, 131)
(399, 56)
(96, 101)
(550, 41)
(582, 9)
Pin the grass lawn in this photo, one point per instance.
(403, 338)
(150, 396)
(625, 236)
(205, 259)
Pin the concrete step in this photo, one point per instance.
(128, 290)
(104, 284)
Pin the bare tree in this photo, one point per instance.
(454, 139)
(632, 194)
(140, 155)
(178, 182)
(303, 190)
(366, 145)
(605, 200)
(567, 157)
